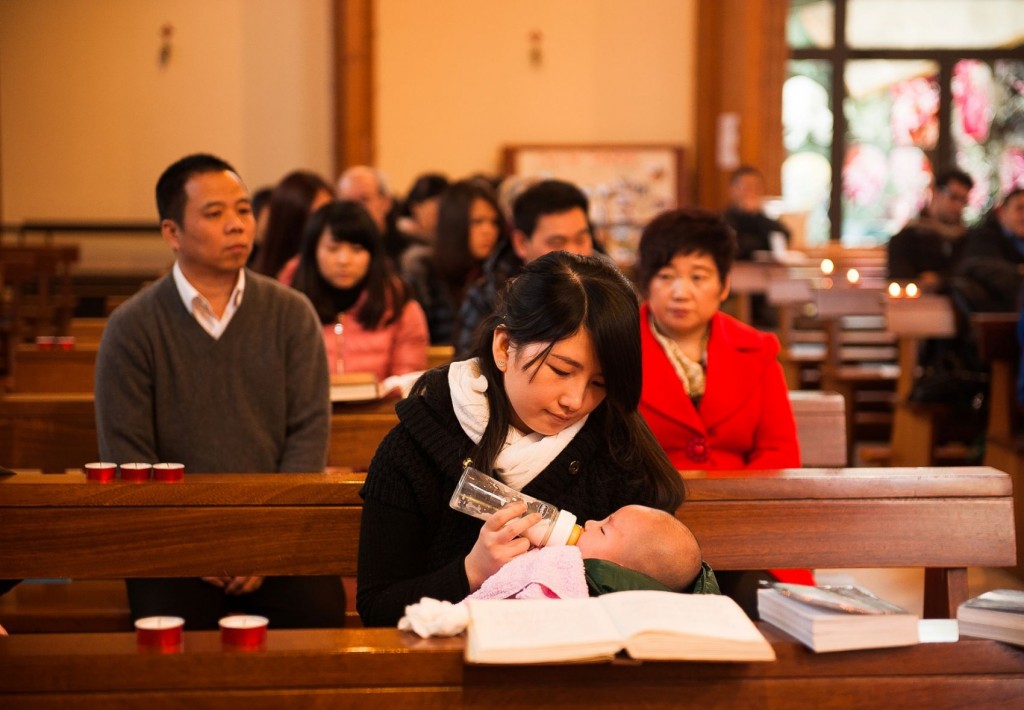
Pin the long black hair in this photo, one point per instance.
(554, 297)
(289, 210)
(348, 221)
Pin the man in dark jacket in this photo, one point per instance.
(549, 216)
(927, 249)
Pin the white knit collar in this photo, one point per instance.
(522, 456)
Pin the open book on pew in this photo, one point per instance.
(836, 618)
(355, 387)
(648, 625)
(997, 615)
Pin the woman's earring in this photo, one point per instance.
(500, 364)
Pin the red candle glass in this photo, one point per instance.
(161, 632)
(45, 342)
(135, 472)
(65, 342)
(100, 471)
(169, 472)
(244, 631)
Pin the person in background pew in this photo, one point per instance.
(1001, 234)
(297, 196)
(469, 226)
(370, 321)
(418, 221)
(745, 213)
(927, 249)
(222, 370)
(369, 187)
(713, 391)
(548, 216)
(548, 405)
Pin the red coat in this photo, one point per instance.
(745, 420)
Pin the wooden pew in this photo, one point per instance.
(55, 370)
(41, 276)
(820, 427)
(62, 526)
(388, 669)
(31, 423)
(48, 431)
(357, 428)
(915, 425)
(858, 364)
(998, 347)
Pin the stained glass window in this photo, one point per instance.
(883, 93)
(807, 134)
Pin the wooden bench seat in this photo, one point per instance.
(385, 668)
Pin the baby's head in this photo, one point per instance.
(647, 540)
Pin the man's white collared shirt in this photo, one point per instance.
(200, 308)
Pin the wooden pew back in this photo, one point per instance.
(288, 524)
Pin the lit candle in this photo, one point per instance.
(827, 266)
(164, 632)
(244, 631)
(100, 471)
(913, 291)
(853, 276)
(894, 290)
(169, 472)
(135, 472)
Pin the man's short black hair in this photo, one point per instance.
(544, 198)
(954, 175)
(170, 188)
(743, 171)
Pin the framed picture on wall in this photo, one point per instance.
(627, 184)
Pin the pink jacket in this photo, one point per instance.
(389, 350)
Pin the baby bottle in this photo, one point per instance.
(480, 495)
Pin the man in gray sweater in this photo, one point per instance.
(222, 370)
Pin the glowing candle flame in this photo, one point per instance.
(853, 276)
(895, 290)
(827, 267)
(912, 291)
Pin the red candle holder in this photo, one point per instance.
(169, 472)
(65, 342)
(100, 472)
(164, 633)
(135, 472)
(244, 631)
(45, 342)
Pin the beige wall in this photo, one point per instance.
(88, 118)
(455, 82)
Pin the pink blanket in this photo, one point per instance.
(541, 573)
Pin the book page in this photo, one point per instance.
(533, 630)
(705, 615)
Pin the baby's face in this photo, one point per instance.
(609, 539)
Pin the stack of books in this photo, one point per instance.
(354, 387)
(997, 615)
(836, 618)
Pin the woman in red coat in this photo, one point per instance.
(713, 391)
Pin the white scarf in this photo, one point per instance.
(522, 456)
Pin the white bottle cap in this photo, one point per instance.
(562, 528)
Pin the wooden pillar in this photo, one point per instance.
(355, 142)
(741, 64)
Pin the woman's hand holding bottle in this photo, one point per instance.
(499, 541)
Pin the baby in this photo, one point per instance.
(646, 540)
(636, 537)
